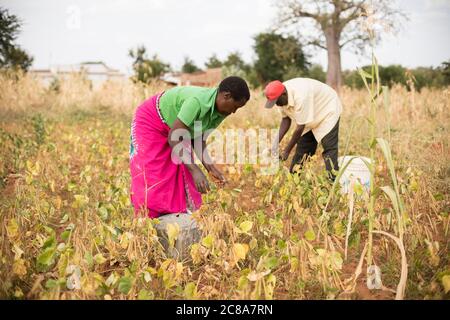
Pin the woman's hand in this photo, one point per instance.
(215, 172)
(200, 180)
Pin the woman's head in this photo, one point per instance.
(233, 94)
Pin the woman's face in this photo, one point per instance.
(226, 105)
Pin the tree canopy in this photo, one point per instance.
(278, 57)
(11, 55)
(146, 68)
(189, 66)
(336, 24)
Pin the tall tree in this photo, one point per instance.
(213, 62)
(11, 55)
(144, 68)
(445, 68)
(189, 66)
(234, 60)
(234, 65)
(337, 25)
(278, 57)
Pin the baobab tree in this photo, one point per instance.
(337, 24)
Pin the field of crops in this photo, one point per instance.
(67, 229)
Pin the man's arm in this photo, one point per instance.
(295, 137)
(284, 128)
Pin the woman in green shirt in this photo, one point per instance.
(164, 177)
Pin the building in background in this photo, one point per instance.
(96, 72)
(172, 78)
(204, 78)
(46, 76)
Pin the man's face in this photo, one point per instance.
(282, 100)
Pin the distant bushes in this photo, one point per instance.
(396, 74)
(421, 77)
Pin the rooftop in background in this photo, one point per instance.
(204, 78)
(97, 72)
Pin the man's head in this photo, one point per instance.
(233, 94)
(275, 93)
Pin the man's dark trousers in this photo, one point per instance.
(307, 145)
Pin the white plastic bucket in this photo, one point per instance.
(356, 170)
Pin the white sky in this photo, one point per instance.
(72, 31)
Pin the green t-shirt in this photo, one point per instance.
(191, 104)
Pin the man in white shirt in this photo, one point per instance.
(315, 108)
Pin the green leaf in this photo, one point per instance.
(99, 258)
(338, 228)
(270, 286)
(190, 291)
(310, 235)
(125, 284)
(71, 186)
(89, 259)
(253, 243)
(242, 282)
(46, 258)
(438, 197)
(81, 200)
(50, 242)
(208, 241)
(336, 260)
(294, 264)
(173, 229)
(240, 250)
(271, 262)
(281, 244)
(51, 283)
(12, 228)
(364, 74)
(145, 295)
(65, 235)
(357, 188)
(103, 212)
(446, 283)
(393, 197)
(246, 226)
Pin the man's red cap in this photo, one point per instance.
(273, 91)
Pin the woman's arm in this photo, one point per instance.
(206, 160)
(179, 130)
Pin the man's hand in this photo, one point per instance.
(294, 140)
(284, 155)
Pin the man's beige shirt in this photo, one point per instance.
(312, 103)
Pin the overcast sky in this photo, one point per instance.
(72, 31)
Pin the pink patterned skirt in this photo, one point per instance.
(158, 185)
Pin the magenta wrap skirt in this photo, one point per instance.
(158, 185)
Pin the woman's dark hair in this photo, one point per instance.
(236, 86)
